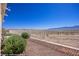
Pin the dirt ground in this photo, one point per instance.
(69, 40)
(35, 49)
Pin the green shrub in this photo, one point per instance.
(14, 45)
(25, 35)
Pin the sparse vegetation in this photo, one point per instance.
(64, 37)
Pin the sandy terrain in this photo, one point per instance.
(70, 40)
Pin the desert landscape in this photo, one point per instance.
(40, 29)
(70, 38)
(66, 38)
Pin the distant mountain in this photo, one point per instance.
(66, 28)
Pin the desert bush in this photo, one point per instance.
(14, 45)
(25, 35)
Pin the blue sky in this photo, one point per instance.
(41, 15)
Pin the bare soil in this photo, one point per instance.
(69, 40)
(35, 49)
